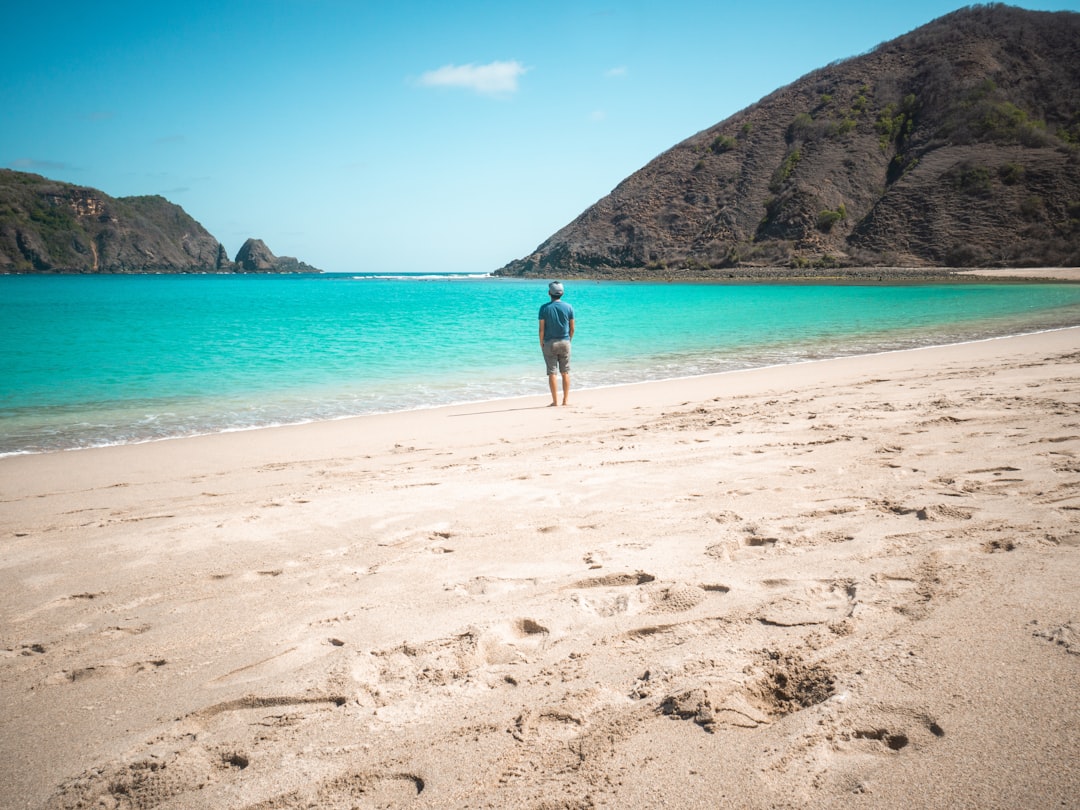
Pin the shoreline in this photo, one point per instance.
(1029, 273)
(837, 275)
(176, 401)
(519, 397)
(846, 581)
(941, 274)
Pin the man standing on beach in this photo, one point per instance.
(556, 332)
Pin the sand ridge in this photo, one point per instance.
(845, 583)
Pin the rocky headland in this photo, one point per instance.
(956, 145)
(48, 226)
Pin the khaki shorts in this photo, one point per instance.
(557, 356)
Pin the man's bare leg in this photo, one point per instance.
(554, 390)
(565, 388)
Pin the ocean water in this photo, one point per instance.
(98, 360)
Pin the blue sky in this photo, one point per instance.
(405, 135)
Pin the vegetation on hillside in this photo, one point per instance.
(956, 144)
(52, 227)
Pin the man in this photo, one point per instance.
(556, 332)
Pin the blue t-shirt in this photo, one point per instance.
(556, 316)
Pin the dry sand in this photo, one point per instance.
(849, 583)
(1027, 273)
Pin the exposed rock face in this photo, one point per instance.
(52, 227)
(255, 257)
(955, 145)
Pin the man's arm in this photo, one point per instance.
(541, 332)
(571, 328)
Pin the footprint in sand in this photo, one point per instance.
(851, 744)
(1000, 544)
(439, 542)
(108, 669)
(186, 761)
(553, 722)
(724, 550)
(1061, 495)
(442, 661)
(630, 594)
(1065, 636)
(676, 598)
(725, 516)
(488, 586)
(613, 594)
(809, 603)
(147, 782)
(27, 648)
(558, 738)
(513, 641)
(755, 540)
(709, 707)
(607, 605)
(351, 791)
(884, 730)
(595, 559)
(786, 683)
(615, 580)
(933, 512)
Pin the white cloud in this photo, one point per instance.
(615, 72)
(496, 78)
(598, 115)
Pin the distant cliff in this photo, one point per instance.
(957, 144)
(255, 257)
(52, 227)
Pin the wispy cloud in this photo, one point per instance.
(494, 79)
(615, 72)
(598, 115)
(33, 163)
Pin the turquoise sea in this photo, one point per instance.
(98, 360)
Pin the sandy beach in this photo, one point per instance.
(850, 583)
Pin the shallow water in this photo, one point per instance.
(97, 360)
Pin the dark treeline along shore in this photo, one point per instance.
(956, 145)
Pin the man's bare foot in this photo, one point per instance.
(553, 405)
